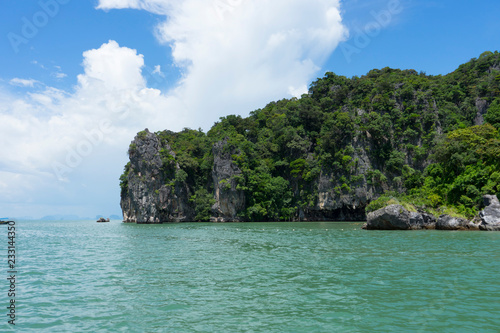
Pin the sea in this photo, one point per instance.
(83, 276)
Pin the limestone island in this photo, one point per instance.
(397, 148)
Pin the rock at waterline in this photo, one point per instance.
(490, 216)
(446, 222)
(396, 217)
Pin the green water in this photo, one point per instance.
(84, 276)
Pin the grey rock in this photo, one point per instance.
(490, 216)
(396, 217)
(482, 108)
(229, 201)
(446, 222)
(392, 217)
(422, 221)
(334, 206)
(153, 195)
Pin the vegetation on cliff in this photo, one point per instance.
(431, 140)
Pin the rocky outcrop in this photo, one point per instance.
(392, 217)
(482, 108)
(396, 217)
(153, 194)
(422, 221)
(157, 191)
(446, 222)
(336, 203)
(229, 201)
(490, 216)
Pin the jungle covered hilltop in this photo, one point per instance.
(347, 147)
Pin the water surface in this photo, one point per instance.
(83, 276)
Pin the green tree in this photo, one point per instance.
(493, 114)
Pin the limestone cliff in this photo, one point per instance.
(150, 192)
(229, 201)
(156, 190)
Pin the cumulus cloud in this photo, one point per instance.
(238, 55)
(113, 67)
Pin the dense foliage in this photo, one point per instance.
(415, 129)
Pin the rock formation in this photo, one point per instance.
(396, 217)
(446, 222)
(422, 221)
(392, 217)
(228, 199)
(152, 193)
(490, 216)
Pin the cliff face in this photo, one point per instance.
(335, 205)
(229, 201)
(154, 190)
(151, 194)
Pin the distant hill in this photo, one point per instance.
(60, 217)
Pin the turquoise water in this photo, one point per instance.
(84, 276)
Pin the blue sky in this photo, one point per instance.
(80, 77)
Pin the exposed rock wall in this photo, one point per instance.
(482, 108)
(229, 201)
(490, 216)
(152, 196)
(344, 205)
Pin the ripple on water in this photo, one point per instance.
(264, 277)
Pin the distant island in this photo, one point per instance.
(61, 217)
(349, 147)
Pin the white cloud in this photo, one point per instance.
(23, 82)
(238, 55)
(59, 75)
(114, 67)
(154, 6)
(157, 70)
(298, 92)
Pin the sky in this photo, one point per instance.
(79, 78)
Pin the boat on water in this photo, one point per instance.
(5, 222)
(102, 220)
